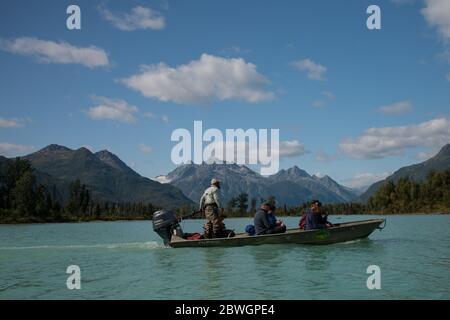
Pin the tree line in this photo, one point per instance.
(23, 199)
(404, 196)
(409, 196)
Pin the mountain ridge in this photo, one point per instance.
(107, 177)
(418, 171)
(290, 186)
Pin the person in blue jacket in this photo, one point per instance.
(314, 217)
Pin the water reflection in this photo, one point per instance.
(269, 269)
(215, 263)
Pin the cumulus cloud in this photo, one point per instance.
(437, 14)
(112, 109)
(377, 143)
(139, 18)
(14, 150)
(145, 148)
(56, 52)
(366, 179)
(397, 108)
(291, 148)
(314, 70)
(202, 81)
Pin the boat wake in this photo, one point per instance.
(351, 242)
(112, 246)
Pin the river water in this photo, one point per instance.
(126, 260)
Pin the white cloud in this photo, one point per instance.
(111, 109)
(144, 148)
(437, 14)
(201, 81)
(397, 108)
(11, 123)
(366, 179)
(377, 143)
(56, 52)
(314, 71)
(139, 18)
(291, 148)
(14, 150)
(448, 77)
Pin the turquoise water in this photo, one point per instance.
(125, 260)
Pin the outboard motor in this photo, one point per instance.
(165, 224)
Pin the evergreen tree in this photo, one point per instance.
(242, 202)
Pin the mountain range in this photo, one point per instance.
(110, 180)
(107, 177)
(291, 187)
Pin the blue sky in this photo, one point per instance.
(355, 103)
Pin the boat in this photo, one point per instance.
(166, 225)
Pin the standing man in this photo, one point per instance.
(210, 203)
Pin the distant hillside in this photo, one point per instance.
(106, 176)
(417, 172)
(290, 187)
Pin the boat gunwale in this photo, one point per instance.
(288, 232)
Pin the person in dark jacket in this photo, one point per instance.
(266, 223)
(314, 218)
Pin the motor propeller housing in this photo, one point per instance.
(164, 224)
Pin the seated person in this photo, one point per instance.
(313, 218)
(324, 216)
(266, 223)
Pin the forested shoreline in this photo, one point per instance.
(24, 200)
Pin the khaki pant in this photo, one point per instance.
(213, 226)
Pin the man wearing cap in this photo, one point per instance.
(265, 222)
(210, 203)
